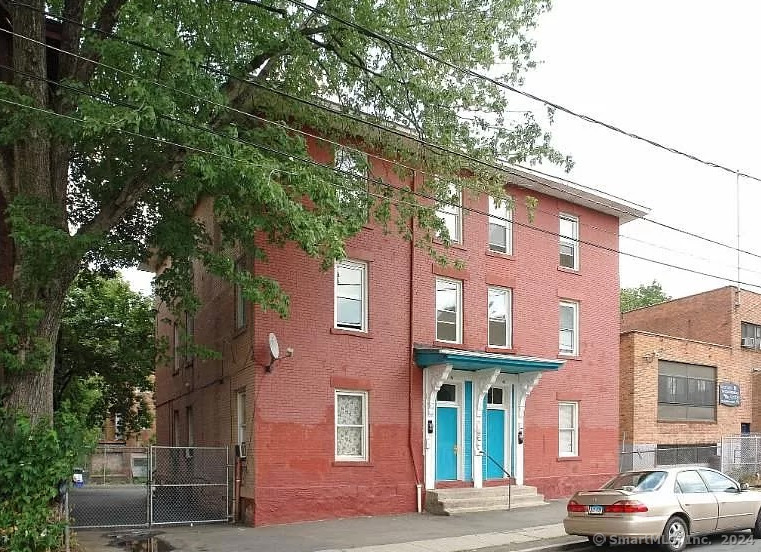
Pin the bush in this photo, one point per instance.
(33, 461)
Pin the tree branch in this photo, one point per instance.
(105, 23)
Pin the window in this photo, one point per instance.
(500, 226)
(450, 212)
(189, 339)
(495, 396)
(176, 348)
(351, 296)
(191, 430)
(500, 319)
(448, 310)
(690, 482)
(240, 300)
(569, 241)
(718, 483)
(240, 414)
(176, 428)
(118, 427)
(751, 336)
(352, 165)
(568, 429)
(447, 393)
(569, 328)
(686, 392)
(351, 425)
(675, 455)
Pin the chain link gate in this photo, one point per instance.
(189, 485)
(140, 487)
(741, 456)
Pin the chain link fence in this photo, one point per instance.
(638, 457)
(741, 457)
(137, 487)
(189, 484)
(113, 491)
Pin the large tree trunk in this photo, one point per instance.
(35, 174)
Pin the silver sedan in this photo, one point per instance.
(665, 506)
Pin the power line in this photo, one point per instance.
(382, 127)
(389, 186)
(470, 72)
(284, 126)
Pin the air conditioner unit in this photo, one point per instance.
(748, 342)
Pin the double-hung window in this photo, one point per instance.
(352, 166)
(569, 328)
(450, 212)
(500, 319)
(240, 414)
(500, 226)
(448, 310)
(351, 426)
(351, 296)
(568, 429)
(569, 241)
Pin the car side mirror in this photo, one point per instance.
(743, 487)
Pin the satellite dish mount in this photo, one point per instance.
(274, 352)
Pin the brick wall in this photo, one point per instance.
(703, 317)
(291, 409)
(640, 352)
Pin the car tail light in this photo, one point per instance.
(574, 506)
(626, 507)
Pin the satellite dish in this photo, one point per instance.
(274, 347)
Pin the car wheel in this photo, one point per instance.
(757, 527)
(674, 535)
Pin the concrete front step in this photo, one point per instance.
(453, 501)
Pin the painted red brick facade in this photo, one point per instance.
(291, 473)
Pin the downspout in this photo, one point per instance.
(418, 485)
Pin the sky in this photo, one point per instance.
(681, 72)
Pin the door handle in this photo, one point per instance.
(455, 449)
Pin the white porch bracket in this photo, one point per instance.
(434, 377)
(524, 386)
(482, 381)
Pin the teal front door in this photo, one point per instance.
(446, 443)
(495, 443)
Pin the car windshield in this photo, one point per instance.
(637, 482)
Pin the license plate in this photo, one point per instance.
(595, 510)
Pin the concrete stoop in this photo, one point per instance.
(445, 502)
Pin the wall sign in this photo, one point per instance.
(729, 394)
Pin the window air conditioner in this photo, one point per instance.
(748, 342)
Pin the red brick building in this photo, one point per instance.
(402, 373)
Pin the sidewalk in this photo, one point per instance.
(520, 529)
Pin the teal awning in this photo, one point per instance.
(479, 360)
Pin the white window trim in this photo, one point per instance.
(574, 429)
(508, 318)
(365, 427)
(348, 263)
(240, 414)
(507, 224)
(575, 306)
(573, 241)
(449, 209)
(176, 348)
(458, 320)
(240, 300)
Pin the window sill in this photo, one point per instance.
(500, 350)
(453, 245)
(569, 270)
(569, 356)
(569, 459)
(352, 464)
(355, 333)
(702, 422)
(448, 345)
(500, 255)
(239, 332)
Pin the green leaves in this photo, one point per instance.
(643, 295)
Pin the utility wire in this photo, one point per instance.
(362, 120)
(380, 182)
(470, 72)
